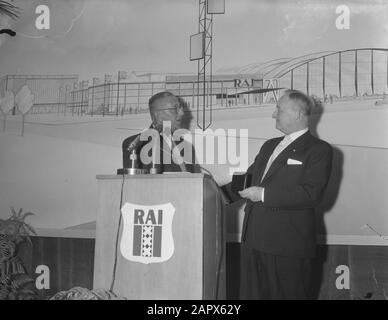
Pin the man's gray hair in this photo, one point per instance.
(305, 103)
(163, 94)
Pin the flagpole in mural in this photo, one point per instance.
(122, 75)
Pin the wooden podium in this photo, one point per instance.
(196, 268)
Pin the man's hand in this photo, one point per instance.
(252, 193)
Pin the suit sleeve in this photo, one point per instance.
(309, 191)
(227, 188)
(125, 153)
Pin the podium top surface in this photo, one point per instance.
(174, 175)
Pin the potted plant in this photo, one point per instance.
(15, 283)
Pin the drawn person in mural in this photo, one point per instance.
(289, 176)
(165, 108)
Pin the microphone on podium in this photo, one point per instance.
(132, 148)
(137, 142)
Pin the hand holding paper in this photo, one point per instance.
(252, 193)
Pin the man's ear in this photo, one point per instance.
(298, 114)
(180, 110)
(153, 117)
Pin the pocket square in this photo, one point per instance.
(294, 162)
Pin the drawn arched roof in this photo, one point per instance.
(254, 68)
(278, 67)
(276, 72)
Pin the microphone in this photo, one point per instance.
(133, 157)
(137, 142)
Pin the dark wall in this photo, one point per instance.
(71, 264)
(69, 260)
(367, 265)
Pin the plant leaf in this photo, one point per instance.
(17, 284)
(13, 212)
(26, 214)
(9, 9)
(31, 229)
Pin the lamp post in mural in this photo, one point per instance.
(75, 87)
(120, 76)
(201, 49)
(59, 100)
(107, 80)
(85, 92)
(95, 83)
(67, 89)
(80, 98)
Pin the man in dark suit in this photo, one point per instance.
(164, 107)
(289, 176)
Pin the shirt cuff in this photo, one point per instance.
(262, 195)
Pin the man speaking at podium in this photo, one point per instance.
(164, 107)
(289, 176)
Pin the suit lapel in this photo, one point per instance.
(263, 161)
(280, 160)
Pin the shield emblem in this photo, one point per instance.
(147, 232)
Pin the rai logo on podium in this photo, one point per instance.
(147, 233)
